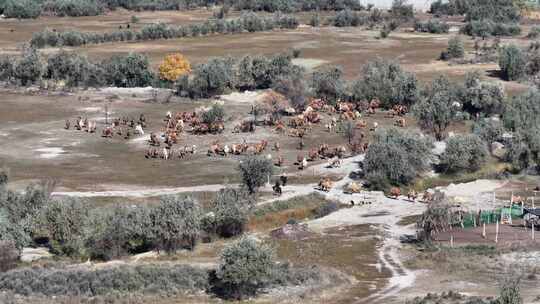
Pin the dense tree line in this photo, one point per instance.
(75, 8)
(131, 70)
(249, 22)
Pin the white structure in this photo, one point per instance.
(421, 5)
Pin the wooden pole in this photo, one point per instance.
(497, 232)
(484, 230)
(532, 231)
(451, 241)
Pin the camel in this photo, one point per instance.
(352, 188)
(313, 155)
(412, 195)
(280, 161)
(303, 164)
(325, 184)
(400, 122)
(139, 129)
(335, 163)
(165, 154)
(68, 124)
(92, 125)
(395, 192)
(277, 147)
(375, 126)
(154, 140)
(151, 153)
(427, 197)
(107, 132)
(362, 124)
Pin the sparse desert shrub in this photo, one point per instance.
(347, 18)
(315, 20)
(328, 84)
(293, 87)
(216, 113)
(510, 291)
(434, 26)
(437, 217)
(489, 130)
(144, 279)
(512, 62)
(326, 209)
(119, 231)
(401, 10)
(72, 68)
(455, 49)
(436, 109)
(482, 97)
(230, 212)
(63, 224)
(29, 68)
(463, 153)
(245, 267)
(255, 172)
(387, 81)
(396, 157)
(132, 70)
(177, 223)
(22, 9)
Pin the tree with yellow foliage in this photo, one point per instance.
(174, 66)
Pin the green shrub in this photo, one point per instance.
(455, 49)
(512, 62)
(388, 82)
(489, 130)
(436, 109)
(123, 279)
(245, 267)
(255, 172)
(434, 26)
(177, 223)
(328, 84)
(216, 113)
(22, 9)
(396, 157)
(9, 256)
(29, 68)
(230, 212)
(132, 70)
(463, 153)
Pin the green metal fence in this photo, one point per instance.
(491, 216)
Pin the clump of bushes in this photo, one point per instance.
(396, 157)
(326, 209)
(251, 72)
(492, 18)
(534, 32)
(487, 28)
(463, 153)
(131, 70)
(512, 62)
(230, 212)
(245, 267)
(433, 26)
(348, 18)
(455, 49)
(388, 82)
(255, 172)
(436, 109)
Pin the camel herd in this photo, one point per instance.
(123, 127)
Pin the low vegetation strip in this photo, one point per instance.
(248, 22)
(151, 279)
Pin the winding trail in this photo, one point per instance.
(378, 210)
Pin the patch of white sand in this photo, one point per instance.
(49, 153)
(242, 97)
(308, 63)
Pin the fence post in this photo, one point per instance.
(532, 231)
(484, 231)
(497, 232)
(451, 241)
